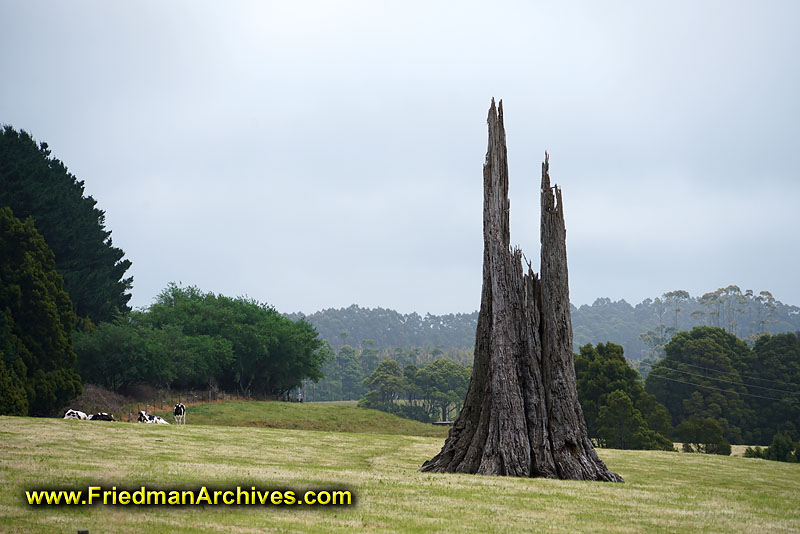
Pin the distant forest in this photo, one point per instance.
(387, 329)
(641, 330)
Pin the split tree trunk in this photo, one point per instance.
(521, 415)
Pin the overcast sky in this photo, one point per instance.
(319, 154)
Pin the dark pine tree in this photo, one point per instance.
(35, 184)
(36, 321)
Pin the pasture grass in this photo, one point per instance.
(304, 416)
(663, 492)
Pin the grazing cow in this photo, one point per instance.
(75, 414)
(101, 416)
(145, 417)
(180, 414)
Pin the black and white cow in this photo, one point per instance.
(101, 416)
(145, 417)
(75, 414)
(157, 420)
(180, 414)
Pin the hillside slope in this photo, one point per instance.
(324, 416)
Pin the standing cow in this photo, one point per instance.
(180, 414)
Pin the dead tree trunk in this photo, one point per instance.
(521, 415)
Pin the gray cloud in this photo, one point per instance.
(318, 154)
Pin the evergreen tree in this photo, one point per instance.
(700, 377)
(36, 321)
(350, 372)
(35, 184)
(773, 370)
(618, 421)
(602, 370)
(782, 449)
(703, 434)
(13, 399)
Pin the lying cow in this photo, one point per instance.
(145, 417)
(180, 414)
(101, 416)
(75, 414)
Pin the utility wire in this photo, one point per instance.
(727, 372)
(745, 384)
(717, 389)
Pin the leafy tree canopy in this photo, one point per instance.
(443, 386)
(129, 351)
(189, 339)
(271, 354)
(432, 392)
(386, 382)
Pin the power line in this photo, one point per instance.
(745, 384)
(717, 389)
(727, 372)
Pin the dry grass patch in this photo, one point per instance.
(663, 492)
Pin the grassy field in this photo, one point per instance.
(663, 492)
(332, 417)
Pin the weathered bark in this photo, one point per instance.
(521, 415)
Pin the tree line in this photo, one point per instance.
(345, 370)
(782, 449)
(709, 391)
(415, 383)
(189, 339)
(433, 392)
(642, 330)
(64, 315)
(753, 393)
(388, 329)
